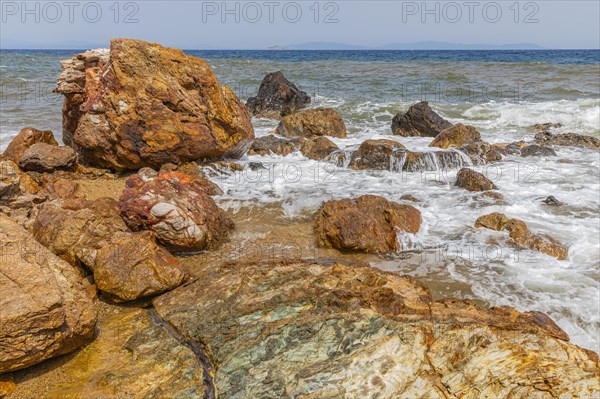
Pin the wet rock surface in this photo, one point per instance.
(311, 123)
(277, 97)
(521, 236)
(141, 104)
(42, 157)
(318, 148)
(25, 139)
(473, 181)
(375, 154)
(457, 136)
(535, 150)
(177, 209)
(271, 144)
(482, 153)
(368, 223)
(419, 120)
(293, 329)
(547, 138)
(46, 310)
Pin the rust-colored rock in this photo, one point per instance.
(521, 235)
(42, 157)
(177, 209)
(192, 169)
(318, 148)
(419, 120)
(375, 154)
(25, 139)
(142, 104)
(277, 97)
(312, 122)
(473, 181)
(368, 223)
(456, 136)
(482, 153)
(45, 310)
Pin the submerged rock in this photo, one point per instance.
(535, 150)
(270, 144)
(277, 97)
(473, 181)
(46, 310)
(457, 136)
(419, 120)
(318, 148)
(552, 201)
(567, 139)
(481, 153)
(302, 329)
(25, 139)
(177, 209)
(42, 157)
(142, 104)
(375, 154)
(311, 123)
(521, 236)
(368, 223)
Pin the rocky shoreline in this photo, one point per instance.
(116, 256)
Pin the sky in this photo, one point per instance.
(261, 24)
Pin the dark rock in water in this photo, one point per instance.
(473, 181)
(481, 153)
(551, 200)
(42, 157)
(457, 136)
(543, 127)
(45, 307)
(331, 330)
(256, 165)
(177, 209)
(419, 120)
(25, 139)
(375, 154)
(368, 223)
(318, 148)
(311, 123)
(270, 144)
(141, 104)
(567, 139)
(277, 97)
(536, 150)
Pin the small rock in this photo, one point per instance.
(408, 197)
(318, 148)
(457, 136)
(481, 153)
(567, 139)
(268, 145)
(312, 122)
(276, 97)
(374, 154)
(42, 157)
(419, 120)
(543, 127)
(473, 181)
(25, 139)
(551, 200)
(536, 150)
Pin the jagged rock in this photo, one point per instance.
(42, 157)
(45, 308)
(270, 144)
(368, 223)
(25, 139)
(7, 385)
(375, 154)
(142, 104)
(551, 200)
(10, 180)
(125, 265)
(59, 188)
(132, 357)
(318, 148)
(311, 123)
(177, 209)
(521, 235)
(19, 194)
(457, 136)
(567, 139)
(193, 170)
(481, 153)
(535, 150)
(419, 120)
(473, 181)
(302, 329)
(277, 97)
(542, 127)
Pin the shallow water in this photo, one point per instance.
(502, 97)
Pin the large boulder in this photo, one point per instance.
(277, 97)
(141, 104)
(473, 181)
(45, 308)
(546, 138)
(25, 139)
(311, 123)
(521, 236)
(177, 209)
(318, 148)
(42, 157)
(304, 329)
(375, 154)
(125, 265)
(273, 145)
(419, 120)
(368, 223)
(456, 136)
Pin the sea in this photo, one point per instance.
(502, 93)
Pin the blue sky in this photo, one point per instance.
(261, 24)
